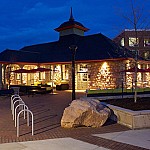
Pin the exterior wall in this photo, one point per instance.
(72, 31)
(89, 75)
(105, 75)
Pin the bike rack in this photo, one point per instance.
(20, 100)
(24, 106)
(13, 97)
(18, 120)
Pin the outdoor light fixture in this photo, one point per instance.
(73, 49)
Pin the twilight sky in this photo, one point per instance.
(28, 22)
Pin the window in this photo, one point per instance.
(65, 72)
(146, 55)
(133, 42)
(146, 42)
(83, 70)
(122, 42)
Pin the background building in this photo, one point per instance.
(127, 39)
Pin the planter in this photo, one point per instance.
(129, 118)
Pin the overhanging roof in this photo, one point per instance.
(91, 47)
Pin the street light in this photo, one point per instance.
(73, 49)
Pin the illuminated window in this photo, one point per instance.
(65, 72)
(41, 75)
(146, 42)
(83, 70)
(133, 42)
(146, 55)
(122, 42)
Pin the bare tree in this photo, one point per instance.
(136, 20)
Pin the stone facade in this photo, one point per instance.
(90, 75)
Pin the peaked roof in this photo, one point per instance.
(71, 23)
(91, 47)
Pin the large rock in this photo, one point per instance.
(85, 112)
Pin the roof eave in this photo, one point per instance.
(71, 26)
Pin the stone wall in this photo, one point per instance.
(105, 75)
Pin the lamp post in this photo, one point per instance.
(73, 49)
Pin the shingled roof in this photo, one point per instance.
(12, 56)
(91, 47)
(71, 23)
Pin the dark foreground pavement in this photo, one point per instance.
(48, 110)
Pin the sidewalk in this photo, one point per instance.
(48, 134)
(140, 138)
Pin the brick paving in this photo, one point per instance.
(48, 110)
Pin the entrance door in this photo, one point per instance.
(82, 77)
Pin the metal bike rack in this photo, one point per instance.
(24, 107)
(20, 100)
(13, 97)
(18, 121)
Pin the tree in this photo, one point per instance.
(136, 20)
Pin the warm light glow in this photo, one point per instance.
(57, 75)
(104, 76)
(104, 65)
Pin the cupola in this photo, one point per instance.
(71, 27)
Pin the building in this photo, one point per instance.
(127, 39)
(99, 61)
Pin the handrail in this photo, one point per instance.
(25, 106)
(18, 121)
(14, 105)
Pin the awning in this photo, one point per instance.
(39, 70)
(32, 70)
(21, 71)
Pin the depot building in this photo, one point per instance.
(99, 62)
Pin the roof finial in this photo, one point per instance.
(71, 16)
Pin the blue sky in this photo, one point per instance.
(28, 22)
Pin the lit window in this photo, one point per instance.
(146, 55)
(65, 72)
(122, 42)
(133, 42)
(146, 42)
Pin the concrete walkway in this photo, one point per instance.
(140, 138)
(48, 134)
(51, 144)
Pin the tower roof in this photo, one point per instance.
(71, 23)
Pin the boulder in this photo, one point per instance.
(85, 112)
